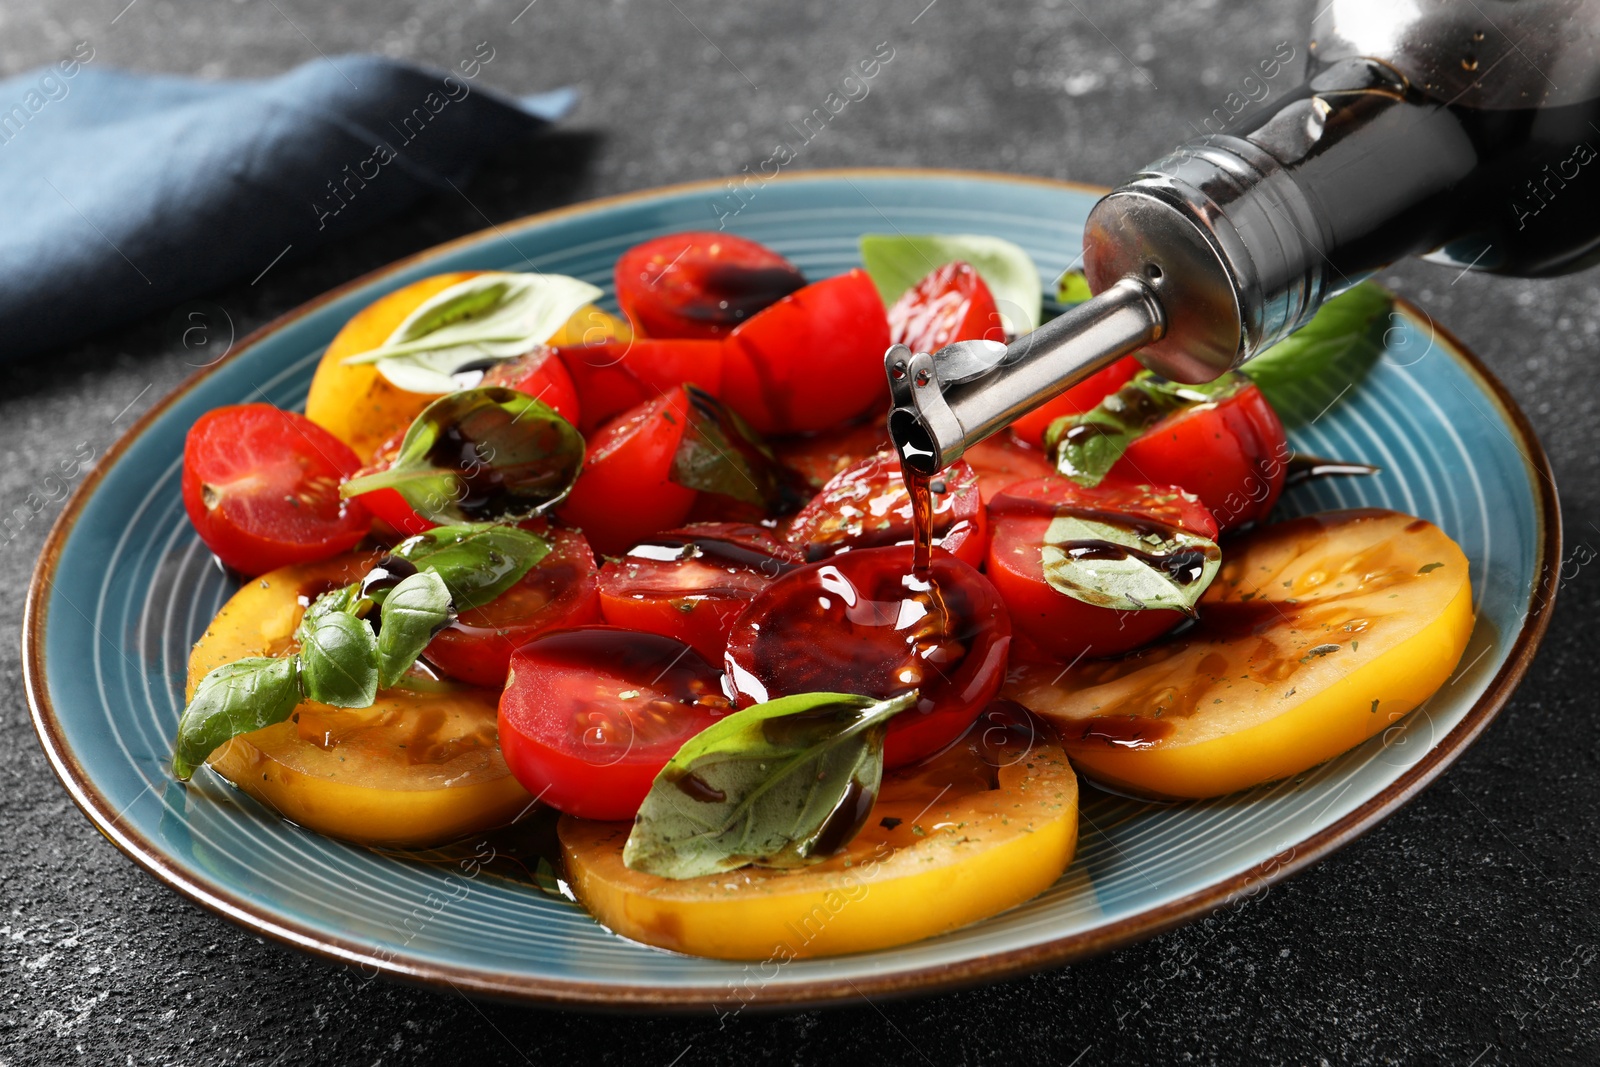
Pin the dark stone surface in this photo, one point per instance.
(1461, 932)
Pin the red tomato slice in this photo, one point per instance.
(1053, 622)
(1231, 453)
(1075, 401)
(262, 488)
(867, 506)
(542, 376)
(818, 457)
(951, 304)
(562, 591)
(624, 494)
(860, 623)
(700, 284)
(811, 361)
(590, 716)
(1002, 461)
(693, 583)
(614, 376)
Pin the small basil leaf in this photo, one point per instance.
(491, 316)
(234, 699)
(1085, 447)
(1313, 368)
(346, 600)
(719, 453)
(1126, 568)
(1072, 288)
(339, 662)
(781, 784)
(413, 612)
(897, 262)
(489, 454)
(478, 561)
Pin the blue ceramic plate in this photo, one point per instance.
(124, 587)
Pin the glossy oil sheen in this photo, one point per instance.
(134, 588)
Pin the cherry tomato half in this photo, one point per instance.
(262, 488)
(861, 623)
(590, 716)
(613, 376)
(1002, 461)
(693, 583)
(541, 375)
(562, 591)
(951, 304)
(700, 284)
(624, 493)
(1059, 625)
(867, 506)
(1231, 453)
(1075, 401)
(811, 361)
(818, 457)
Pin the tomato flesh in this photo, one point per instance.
(624, 492)
(1056, 624)
(590, 716)
(1002, 461)
(951, 304)
(560, 592)
(1231, 453)
(693, 583)
(862, 623)
(541, 375)
(1075, 401)
(867, 506)
(613, 376)
(700, 284)
(811, 361)
(261, 487)
(818, 457)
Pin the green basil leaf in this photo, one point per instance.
(234, 699)
(781, 784)
(477, 561)
(346, 600)
(339, 662)
(492, 316)
(1127, 568)
(489, 454)
(1072, 288)
(1309, 371)
(413, 612)
(897, 262)
(720, 453)
(1085, 447)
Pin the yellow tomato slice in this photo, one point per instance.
(1317, 633)
(948, 843)
(413, 770)
(358, 405)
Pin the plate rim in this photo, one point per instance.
(943, 977)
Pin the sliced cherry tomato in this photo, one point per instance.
(811, 361)
(693, 583)
(624, 493)
(387, 504)
(590, 716)
(700, 284)
(613, 376)
(542, 376)
(1059, 625)
(951, 304)
(1231, 453)
(818, 457)
(861, 623)
(1075, 401)
(867, 506)
(561, 592)
(262, 488)
(1002, 461)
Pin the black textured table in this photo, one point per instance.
(1463, 931)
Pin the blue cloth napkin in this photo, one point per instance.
(123, 194)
